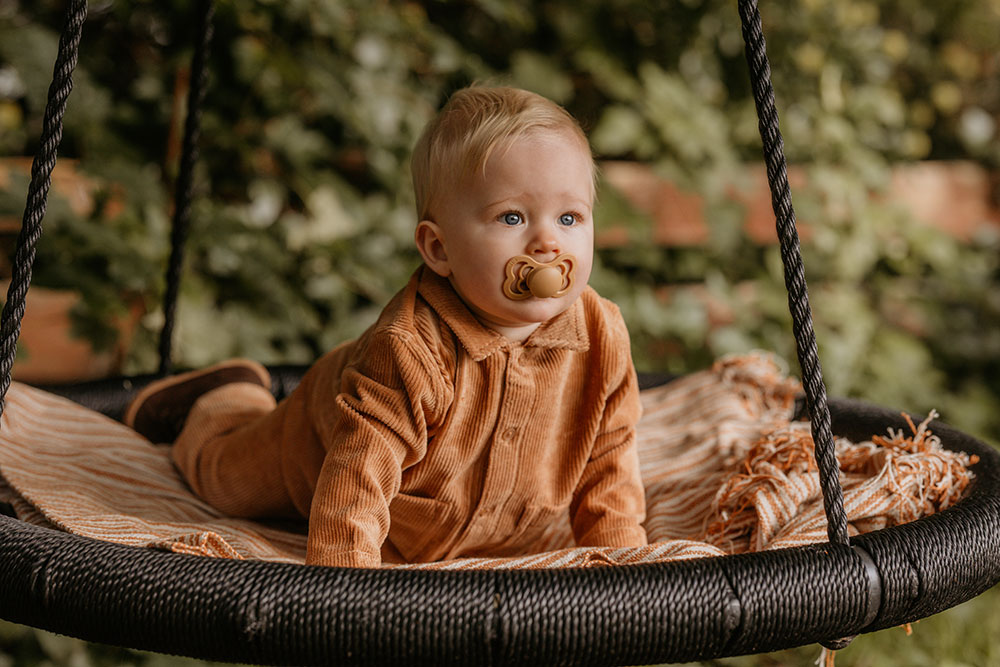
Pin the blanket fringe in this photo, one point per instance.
(887, 481)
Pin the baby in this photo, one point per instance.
(494, 396)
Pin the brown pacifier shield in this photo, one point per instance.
(527, 277)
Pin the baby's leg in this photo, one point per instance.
(229, 451)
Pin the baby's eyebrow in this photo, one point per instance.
(570, 200)
(500, 202)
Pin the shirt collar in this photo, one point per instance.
(566, 330)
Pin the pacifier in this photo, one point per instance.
(526, 277)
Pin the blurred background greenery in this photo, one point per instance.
(302, 228)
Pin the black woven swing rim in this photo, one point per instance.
(271, 613)
(286, 614)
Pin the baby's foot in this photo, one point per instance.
(159, 410)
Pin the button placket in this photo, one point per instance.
(501, 473)
(518, 397)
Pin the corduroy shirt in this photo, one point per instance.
(432, 436)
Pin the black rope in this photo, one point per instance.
(795, 280)
(183, 192)
(38, 190)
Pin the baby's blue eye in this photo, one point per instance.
(511, 218)
(567, 219)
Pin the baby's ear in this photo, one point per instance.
(430, 242)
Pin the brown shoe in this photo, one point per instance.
(159, 410)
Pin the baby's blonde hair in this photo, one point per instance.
(473, 123)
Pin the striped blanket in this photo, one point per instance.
(726, 470)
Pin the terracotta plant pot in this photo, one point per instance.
(49, 351)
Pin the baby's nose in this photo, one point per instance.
(544, 243)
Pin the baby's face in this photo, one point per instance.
(535, 198)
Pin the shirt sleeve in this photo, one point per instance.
(609, 503)
(376, 427)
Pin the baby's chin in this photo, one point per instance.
(530, 312)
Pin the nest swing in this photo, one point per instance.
(273, 613)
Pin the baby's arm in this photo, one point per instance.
(376, 428)
(609, 503)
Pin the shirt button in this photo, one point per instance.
(510, 433)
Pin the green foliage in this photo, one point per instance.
(111, 260)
